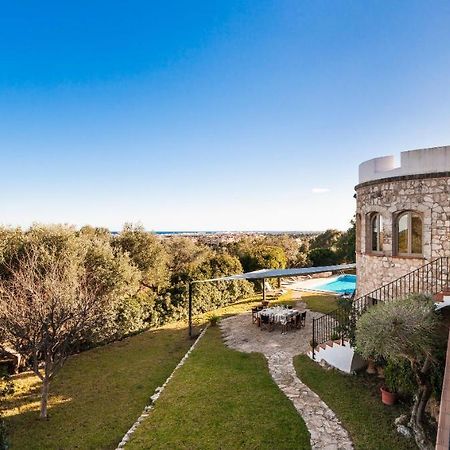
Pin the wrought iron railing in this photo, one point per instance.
(430, 278)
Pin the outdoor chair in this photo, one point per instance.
(302, 319)
(292, 321)
(297, 320)
(348, 296)
(266, 322)
(255, 313)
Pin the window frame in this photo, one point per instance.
(410, 215)
(358, 243)
(375, 216)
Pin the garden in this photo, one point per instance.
(114, 329)
(219, 396)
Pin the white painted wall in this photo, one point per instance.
(444, 304)
(427, 160)
(343, 357)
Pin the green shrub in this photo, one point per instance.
(335, 336)
(345, 303)
(213, 320)
(323, 257)
(405, 331)
(438, 369)
(399, 377)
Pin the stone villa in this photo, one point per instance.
(402, 247)
(402, 215)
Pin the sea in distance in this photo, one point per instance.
(200, 233)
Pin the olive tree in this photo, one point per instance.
(327, 239)
(147, 253)
(56, 291)
(404, 330)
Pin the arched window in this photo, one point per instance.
(409, 234)
(358, 233)
(376, 232)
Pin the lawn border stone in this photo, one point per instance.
(145, 413)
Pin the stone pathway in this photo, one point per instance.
(327, 433)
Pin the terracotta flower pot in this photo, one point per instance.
(380, 371)
(388, 398)
(371, 367)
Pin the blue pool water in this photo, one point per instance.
(345, 284)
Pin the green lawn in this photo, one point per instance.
(222, 399)
(356, 401)
(322, 303)
(98, 395)
(318, 302)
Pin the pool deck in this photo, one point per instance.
(313, 284)
(308, 285)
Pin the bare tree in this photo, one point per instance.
(48, 304)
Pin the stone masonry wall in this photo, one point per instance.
(429, 196)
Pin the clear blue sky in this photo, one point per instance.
(212, 114)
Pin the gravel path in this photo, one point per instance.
(327, 433)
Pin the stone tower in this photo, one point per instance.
(402, 215)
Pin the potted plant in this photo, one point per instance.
(387, 397)
(410, 335)
(380, 364)
(371, 366)
(380, 371)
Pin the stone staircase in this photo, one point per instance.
(333, 333)
(340, 355)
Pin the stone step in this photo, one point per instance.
(439, 297)
(330, 343)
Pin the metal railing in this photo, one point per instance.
(430, 278)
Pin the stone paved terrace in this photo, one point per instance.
(240, 334)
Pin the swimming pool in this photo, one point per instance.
(344, 284)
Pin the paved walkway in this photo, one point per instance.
(239, 333)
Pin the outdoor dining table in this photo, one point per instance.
(278, 314)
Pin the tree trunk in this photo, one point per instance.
(44, 397)
(416, 422)
(418, 411)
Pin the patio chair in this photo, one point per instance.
(266, 322)
(303, 319)
(297, 320)
(348, 296)
(292, 321)
(285, 326)
(255, 313)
